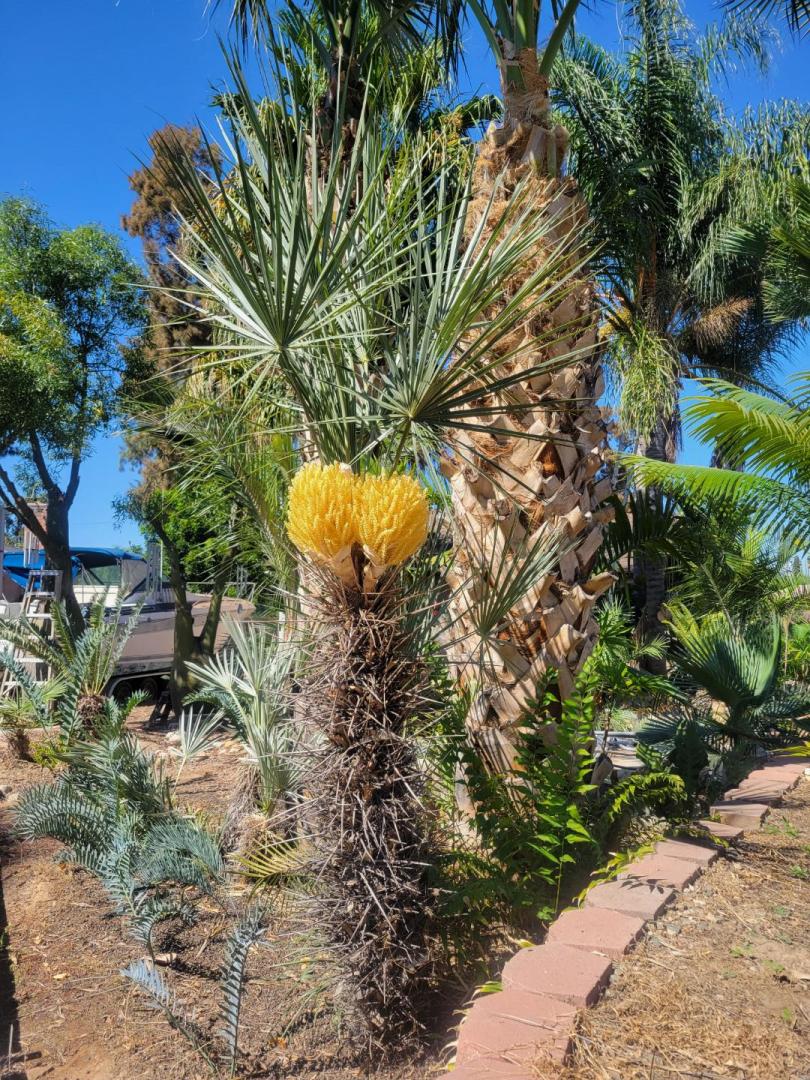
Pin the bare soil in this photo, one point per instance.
(66, 1013)
(720, 989)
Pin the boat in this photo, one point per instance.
(127, 581)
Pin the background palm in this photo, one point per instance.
(666, 175)
(768, 439)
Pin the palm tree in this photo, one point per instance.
(358, 299)
(796, 13)
(785, 248)
(538, 462)
(666, 177)
(766, 445)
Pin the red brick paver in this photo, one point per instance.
(534, 1014)
(722, 830)
(631, 897)
(560, 971)
(517, 1026)
(598, 930)
(689, 850)
(665, 871)
(748, 815)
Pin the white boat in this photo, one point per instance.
(136, 582)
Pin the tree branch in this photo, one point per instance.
(18, 504)
(48, 481)
(73, 480)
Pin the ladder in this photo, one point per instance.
(42, 591)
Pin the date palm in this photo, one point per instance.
(538, 463)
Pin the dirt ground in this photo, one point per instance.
(721, 987)
(67, 1014)
(720, 990)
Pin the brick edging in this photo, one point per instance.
(545, 985)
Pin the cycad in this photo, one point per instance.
(248, 688)
(738, 671)
(82, 663)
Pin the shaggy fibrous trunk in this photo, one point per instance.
(505, 489)
(371, 835)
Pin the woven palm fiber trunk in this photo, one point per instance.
(505, 489)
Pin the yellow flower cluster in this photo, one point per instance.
(321, 510)
(330, 509)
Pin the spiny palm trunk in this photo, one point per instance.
(371, 839)
(554, 481)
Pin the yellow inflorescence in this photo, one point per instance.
(321, 514)
(392, 518)
(330, 509)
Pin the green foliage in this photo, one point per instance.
(160, 996)
(248, 688)
(662, 790)
(614, 665)
(737, 704)
(66, 300)
(668, 177)
(531, 821)
(111, 807)
(82, 663)
(765, 446)
(797, 652)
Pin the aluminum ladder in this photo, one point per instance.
(42, 591)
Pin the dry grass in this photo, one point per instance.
(721, 987)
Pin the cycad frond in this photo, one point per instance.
(246, 933)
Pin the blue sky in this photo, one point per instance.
(85, 83)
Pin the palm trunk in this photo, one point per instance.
(650, 573)
(554, 480)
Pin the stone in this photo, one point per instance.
(788, 768)
(560, 971)
(516, 1026)
(631, 897)
(665, 871)
(598, 930)
(746, 815)
(722, 830)
(761, 790)
(690, 850)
